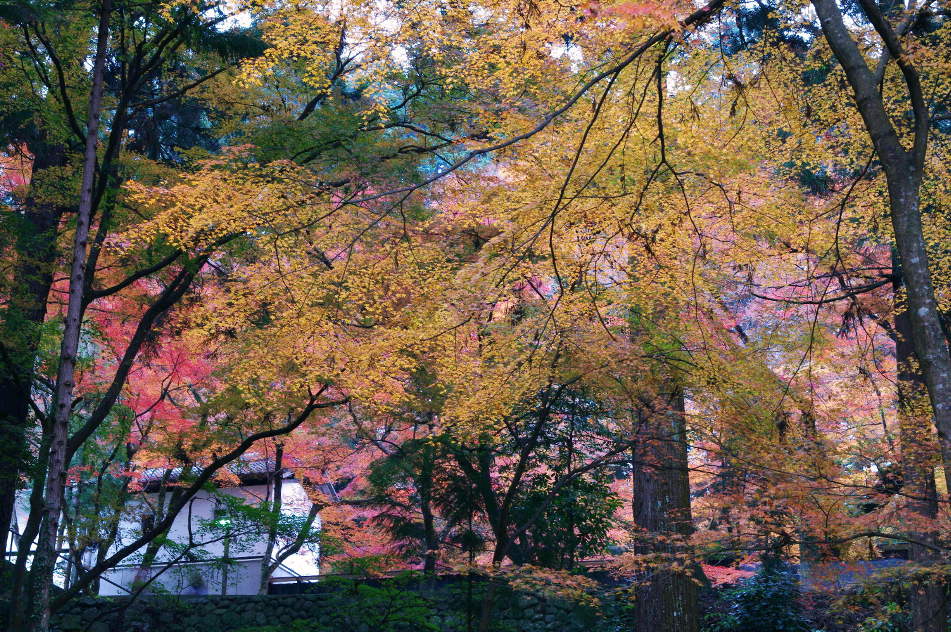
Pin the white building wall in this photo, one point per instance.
(205, 577)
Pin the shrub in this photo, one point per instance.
(360, 607)
(892, 618)
(767, 602)
(881, 604)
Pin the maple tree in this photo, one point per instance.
(719, 230)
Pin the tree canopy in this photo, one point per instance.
(528, 282)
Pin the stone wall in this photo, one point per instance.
(444, 608)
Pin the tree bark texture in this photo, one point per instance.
(666, 593)
(45, 557)
(927, 601)
(903, 172)
(22, 321)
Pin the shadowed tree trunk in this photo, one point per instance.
(927, 600)
(20, 330)
(666, 594)
(166, 498)
(424, 486)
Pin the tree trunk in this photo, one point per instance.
(226, 565)
(924, 331)
(815, 539)
(277, 489)
(298, 543)
(155, 545)
(666, 594)
(424, 486)
(45, 558)
(929, 608)
(20, 332)
(903, 172)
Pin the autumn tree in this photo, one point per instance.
(682, 215)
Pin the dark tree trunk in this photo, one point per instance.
(919, 325)
(20, 330)
(430, 539)
(927, 601)
(666, 594)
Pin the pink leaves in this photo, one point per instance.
(724, 575)
(639, 9)
(640, 13)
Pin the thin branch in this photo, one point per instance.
(696, 18)
(200, 481)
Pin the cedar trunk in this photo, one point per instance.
(666, 594)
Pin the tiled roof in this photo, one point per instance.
(249, 471)
(238, 468)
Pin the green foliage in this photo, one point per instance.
(360, 606)
(295, 626)
(360, 566)
(573, 521)
(881, 604)
(231, 45)
(560, 519)
(766, 602)
(892, 618)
